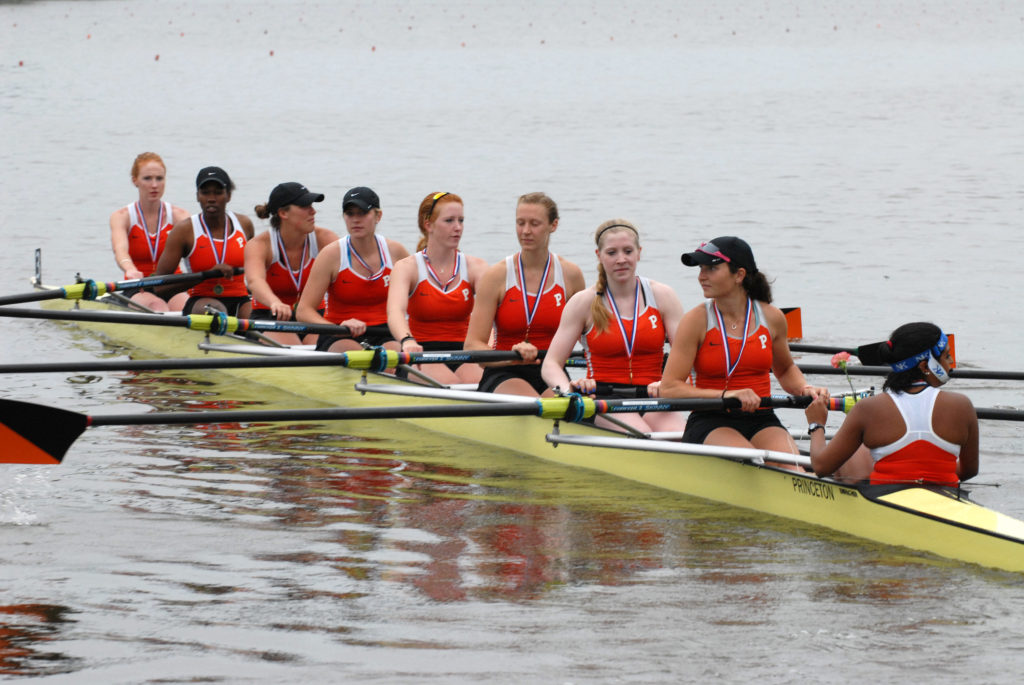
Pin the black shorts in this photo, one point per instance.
(375, 336)
(232, 304)
(496, 375)
(267, 315)
(700, 423)
(620, 391)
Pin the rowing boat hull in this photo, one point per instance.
(926, 520)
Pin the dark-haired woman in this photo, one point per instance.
(520, 300)
(732, 343)
(623, 321)
(214, 238)
(278, 261)
(915, 432)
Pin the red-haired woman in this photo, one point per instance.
(433, 291)
(138, 232)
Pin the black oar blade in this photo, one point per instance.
(34, 434)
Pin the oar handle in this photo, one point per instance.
(169, 279)
(90, 289)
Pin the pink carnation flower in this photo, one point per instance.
(840, 359)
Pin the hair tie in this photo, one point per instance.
(889, 343)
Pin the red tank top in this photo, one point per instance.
(354, 296)
(608, 352)
(207, 253)
(511, 318)
(752, 357)
(287, 283)
(143, 247)
(436, 314)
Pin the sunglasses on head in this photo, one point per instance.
(714, 251)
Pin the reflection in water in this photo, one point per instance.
(454, 532)
(24, 631)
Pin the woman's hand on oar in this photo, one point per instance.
(90, 290)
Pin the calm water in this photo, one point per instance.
(870, 154)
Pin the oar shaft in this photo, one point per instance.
(525, 408)
(198, 322)
(820, 349)
(958, 372)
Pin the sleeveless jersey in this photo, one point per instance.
(607, 358)
(435, 315)
(510, 318)
(145, 248)
(920, 455)
(755, 356)
(206, 254)
(280, 280)
(354, 296)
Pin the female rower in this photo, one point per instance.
(520, 300)
(623, 321)
(278, 261)
(139, 231)
(354, 273)
(732, 342)
(432, 291)
(916, 433)
(212, 239)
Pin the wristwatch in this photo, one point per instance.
(813, 427)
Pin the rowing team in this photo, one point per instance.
(533, 301)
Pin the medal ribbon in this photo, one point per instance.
(353, 253)
(293, 274)
(730, 365)
(213, 244)
(433, 274)
(152, 240)
(529, 311)
(628, 342)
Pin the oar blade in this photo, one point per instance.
(35, 434)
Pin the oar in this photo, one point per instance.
(376, 359)
(90, 289)
(820, 349)
(38, 434)
(219, 324)
(358, 359)
(958, 372)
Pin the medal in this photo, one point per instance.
(218, 289)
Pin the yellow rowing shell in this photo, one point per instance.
(933, 520)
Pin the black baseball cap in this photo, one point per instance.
(726, 248)
(215, 174)
(291, 193)
(361, 197)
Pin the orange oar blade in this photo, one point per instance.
(794, 323)
(34, 434)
